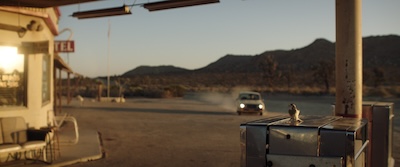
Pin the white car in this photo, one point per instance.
(250, 102)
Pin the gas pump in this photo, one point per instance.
(320, 140)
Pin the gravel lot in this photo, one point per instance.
(198, 130)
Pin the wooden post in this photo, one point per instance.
(348, 59)
(68, 88)
(55, 89)
(59, 91)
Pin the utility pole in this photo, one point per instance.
(108, 60)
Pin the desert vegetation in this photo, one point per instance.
(305, 71)
(320, 81)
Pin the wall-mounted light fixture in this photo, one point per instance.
(34, 26)
(124, 10)
(21, 31)
(162, 5)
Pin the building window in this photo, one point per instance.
(46, 79)
(12, 77)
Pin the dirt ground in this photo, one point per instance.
(197, 130)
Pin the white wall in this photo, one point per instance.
(35, 113)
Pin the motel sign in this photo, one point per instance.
(64, 46)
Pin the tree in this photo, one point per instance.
(269, 67)
(121, 83)
(324, 72)
(379, 76)
(288, 75)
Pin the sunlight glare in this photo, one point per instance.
(10, 60)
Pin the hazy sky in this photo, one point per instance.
(194, 37)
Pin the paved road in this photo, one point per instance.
(194, 131)
(167, 132)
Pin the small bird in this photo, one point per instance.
(294, 113)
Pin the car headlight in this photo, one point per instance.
(260, 106)
(241, 105)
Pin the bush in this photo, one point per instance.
(156, 91)
(380, 91)
(153, 93)
(175, 91)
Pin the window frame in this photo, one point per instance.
(46, 79)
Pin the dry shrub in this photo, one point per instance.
(332, 90)
(306, 90)
(380, 91)
(396, 91)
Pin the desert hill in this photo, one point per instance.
(306, 70)
(148, 70)
(378, 51)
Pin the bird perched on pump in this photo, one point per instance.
(294, 113)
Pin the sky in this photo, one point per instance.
(194, 37)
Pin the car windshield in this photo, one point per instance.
(249, 97)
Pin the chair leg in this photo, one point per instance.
(38, 154)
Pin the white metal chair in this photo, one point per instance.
(58, 121)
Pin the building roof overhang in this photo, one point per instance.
(41, 3)
(60, 64)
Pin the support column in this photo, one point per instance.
(68, 87)
(348, 58)
(60, 91)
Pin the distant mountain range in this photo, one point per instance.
(150, 70)
(378, 51)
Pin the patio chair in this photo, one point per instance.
(32, 142)
(58, 121)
